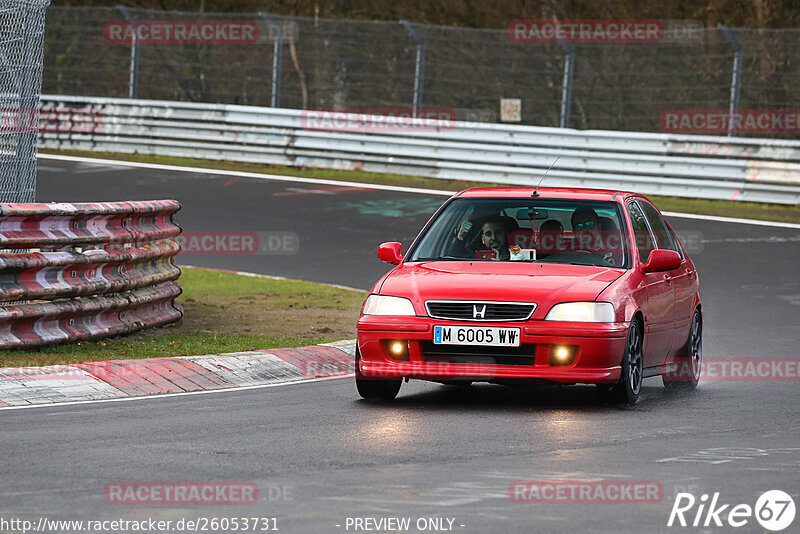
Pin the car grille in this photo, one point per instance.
(459, 310)
(467, 354)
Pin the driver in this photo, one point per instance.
(586, 226)
(589, 236)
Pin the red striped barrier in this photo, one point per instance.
(32, 324)
(56, 225)
(126, 281)
(46, 275)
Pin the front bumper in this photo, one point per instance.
(598, 351)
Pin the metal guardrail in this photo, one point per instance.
(660, 164)
(101, 269)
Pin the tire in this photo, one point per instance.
(691, 363)
(375, 389)
(630, 383)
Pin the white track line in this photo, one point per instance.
(242, 174)
(377, 187)
(181, 394)
(753, 222)
(270, 277)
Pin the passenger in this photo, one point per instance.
(494, 236)
(551, 235)
(463, 230)
(460, 246)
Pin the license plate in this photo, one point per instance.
(484, 336)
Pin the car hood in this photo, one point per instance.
(543, 283)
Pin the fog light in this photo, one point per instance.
(562, 354)
(397, 349)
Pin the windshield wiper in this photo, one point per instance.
(442, 258)
(553, 262)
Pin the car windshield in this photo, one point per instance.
(576, 232)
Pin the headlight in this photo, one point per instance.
(383, 305)
(584, 312)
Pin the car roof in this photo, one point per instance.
(547, 193)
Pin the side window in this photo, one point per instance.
(662, 234)
(641, 233)
(676, 241)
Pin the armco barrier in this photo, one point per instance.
(763, 170)
(101, 269)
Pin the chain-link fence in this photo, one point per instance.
(21, 37)
(309, 63)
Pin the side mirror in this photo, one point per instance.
(661, 260)
(391, 253)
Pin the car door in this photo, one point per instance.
(658, 308)
(682, 279)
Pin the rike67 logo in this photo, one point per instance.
(774, 510)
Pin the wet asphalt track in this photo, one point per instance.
(437, 451)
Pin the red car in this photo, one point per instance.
(519, 284)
